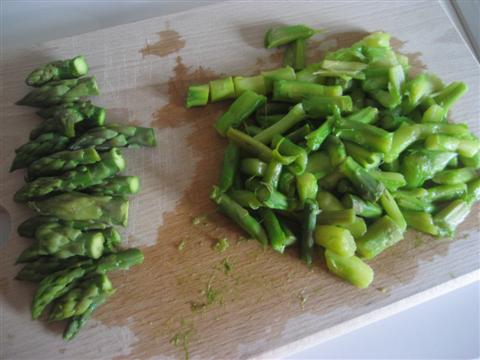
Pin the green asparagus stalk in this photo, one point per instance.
(450, 94)
(250, 83)
(309, 222)
(392, 210)
(252, 167)
(294, 116)
(283, 35)
(367, 186)
(272, 173)
(197, 95)
(296, 91)
(382, 234)
(284, 148)
(244, 106)
(473, 191)
(256, 148)
(231, 158)
(274, 230)
(61, 162)
(361, 207)
(319, 164)
(239, 215)
(77, 322)
(245, 198)
(365, 135)
(464, 147)
(351, 269)
(316, 138)
(58, 70)
(39, 269)
(77, 301)
(367, 115)
(320, 106)
(307, 187)
(43, 145)
(63, 124)
(222, 89)
(421, 221)
(121, 260)
(76, 179)
(473, 162)
(116, 186)
(61, 91)
(295, 54)
(446, 192)
(336, 239)
(29, 226)
(299, 134)
(411, 202)
(366, 158)
(451, 216)
(115, 135)
(54, 286)
(336, 150)
(421, 165)
(455, 176)
(287, 184)
(93, 115)
(271, 76)
(391, 180)
(76, 206)
(336, 217)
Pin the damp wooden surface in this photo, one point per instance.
(261, 304)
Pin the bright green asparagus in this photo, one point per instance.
(58, 70)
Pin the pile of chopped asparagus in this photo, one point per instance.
(73, 165)
(342, 155)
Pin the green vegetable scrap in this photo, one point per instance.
(347, 151)
(73, 183)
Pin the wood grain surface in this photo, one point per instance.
(267, 304)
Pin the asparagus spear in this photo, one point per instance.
(77, 322)
(336, 150)
(61, 91)
(29, 226)
(320, 106)
(366, 158)
(239, 215)
(58, 70)
(351, 269)
(244, 106)
(115, 135)
(252, 83)
(295, 54)
(76, 206)
(464, 147)
(294, 116)
(93, 116)
(336, 239)
(231, 158)
(421, 221)
(252, 167)
(116, 186)
(245, 198)
(309, 222)
(64, 242)
(43, 145)
(222, 89)
(307, 187)
(63, 124)
(274, 230)
(60, 162)
(296, 91)
(37, 270)
(53, 286)
(76, 179)
(420, 165)
(446, 192)
(361, 207)
(455, 176)
(197, 95)
(283, 147)
(283, 35)
(364, 135)
(451, 216)
(368, 187)
(77, 301)
(382, 234)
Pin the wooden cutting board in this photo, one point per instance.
(267, 304)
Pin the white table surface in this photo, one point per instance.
(447, 327)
